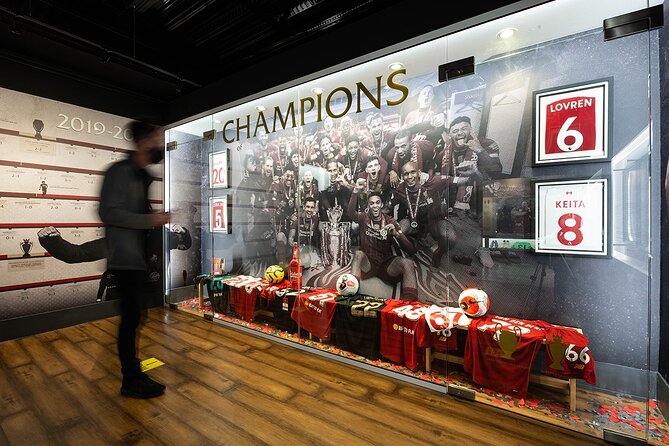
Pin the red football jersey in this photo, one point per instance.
(244, 291)
(392, 339)
(243, 300)
(568, 354)
(437, 330)
(269, 292)
(499, 352)
(314, 310)
(241, 281)
(400, 320)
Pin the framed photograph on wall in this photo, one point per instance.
(571, 124)
(572, 217)
(219, 214)
(218, 170)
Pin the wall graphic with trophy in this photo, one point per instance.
(52, 161)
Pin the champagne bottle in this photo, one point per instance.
(295, 269)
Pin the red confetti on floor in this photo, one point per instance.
(631, 410)
(634, 424)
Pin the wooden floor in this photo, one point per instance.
(227, 387)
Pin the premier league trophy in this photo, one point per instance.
(557, 349)
(335, 238)
(26, 245)
(38, 125)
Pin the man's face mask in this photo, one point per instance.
(157, 155)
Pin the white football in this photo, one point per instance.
(347, 285)
(474, 302)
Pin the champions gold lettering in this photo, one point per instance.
(291, 115)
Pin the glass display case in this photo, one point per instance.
(474, 212)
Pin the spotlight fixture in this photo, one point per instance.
(506, 33)
(396, 66)
(317, 90)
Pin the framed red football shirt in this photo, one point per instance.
(571, 123)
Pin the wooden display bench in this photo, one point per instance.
(566, 384)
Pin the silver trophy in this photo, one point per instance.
(335, 238)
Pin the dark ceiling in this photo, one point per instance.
(162, 50)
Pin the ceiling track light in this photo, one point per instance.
(507, 33)
(15, 28)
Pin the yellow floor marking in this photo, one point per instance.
(150, 363)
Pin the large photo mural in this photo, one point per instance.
(396, 193)
(426, 189)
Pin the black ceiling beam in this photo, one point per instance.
(21, 23)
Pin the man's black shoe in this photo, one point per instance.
(141, 386)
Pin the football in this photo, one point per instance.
(274, 274)
(474, 302)
(347, 285)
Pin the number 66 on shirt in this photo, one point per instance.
(572, 217)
